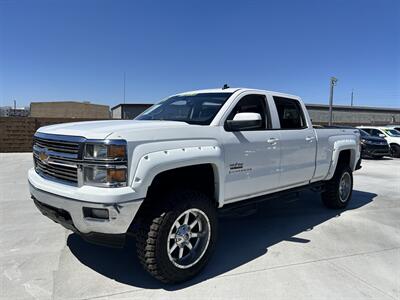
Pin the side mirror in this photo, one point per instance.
(244, 121)
(381, 135)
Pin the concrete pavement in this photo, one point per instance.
(291, 248)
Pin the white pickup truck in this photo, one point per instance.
(164, 175)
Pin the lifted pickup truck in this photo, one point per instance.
(164, 175)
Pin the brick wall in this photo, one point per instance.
(16, 132)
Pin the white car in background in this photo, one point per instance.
(388, 133)
(395, 127)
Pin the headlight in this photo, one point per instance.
(100, 151)
(366, 142)
(105, 163)
(105, 176)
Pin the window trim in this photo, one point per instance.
(267, 113)
(303, 117)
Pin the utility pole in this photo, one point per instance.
(124, 85)
(15, 107)
(333, 83)
(352, 96)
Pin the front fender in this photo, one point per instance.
(154, 163)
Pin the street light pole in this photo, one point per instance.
(352, 97)
(333, 83)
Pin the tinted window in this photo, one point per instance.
(191, 108)
(290, 113)
(367, 130)
(363, 133)
(251, 103)
(375, 132)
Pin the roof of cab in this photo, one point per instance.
(233, 90)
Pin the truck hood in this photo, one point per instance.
(103, 129)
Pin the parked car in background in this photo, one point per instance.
(395, 127)
(392, 136)
(373, 146)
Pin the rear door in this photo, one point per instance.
(297, 142)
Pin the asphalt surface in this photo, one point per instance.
(291, 248)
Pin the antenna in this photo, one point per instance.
(225, 86)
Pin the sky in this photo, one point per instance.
(80, 49)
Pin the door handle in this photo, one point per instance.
(310, 138)
(272, 141)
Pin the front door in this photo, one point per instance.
(252, 157)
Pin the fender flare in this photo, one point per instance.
(339, 146)
(154, 163)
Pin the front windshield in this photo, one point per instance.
(190, 108)
(392, 132)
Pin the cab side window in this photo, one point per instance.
(290, 113)
(367, 130)
(376, 132)
(254, 104)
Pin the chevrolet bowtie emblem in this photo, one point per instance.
(43, 156)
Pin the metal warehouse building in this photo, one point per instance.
(342, 115)
(128, 111)
(354, 115)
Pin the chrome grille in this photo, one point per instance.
(56, 170)
(57, 156)
(57, 146)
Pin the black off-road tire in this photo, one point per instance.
(395, 149)
(153, 228)
(331, 196)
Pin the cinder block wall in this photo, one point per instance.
(16, 132)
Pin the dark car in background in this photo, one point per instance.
(372, 146)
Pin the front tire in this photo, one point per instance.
(395, 149)
(339, 189)
(177, 236)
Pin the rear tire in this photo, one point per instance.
(177, 236)
(339, 189)
(395, 149)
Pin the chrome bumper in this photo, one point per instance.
(121, 214)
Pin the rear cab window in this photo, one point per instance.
(290, 113)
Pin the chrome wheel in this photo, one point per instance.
(188, 238)
(344, 187)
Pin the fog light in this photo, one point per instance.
(96, 213)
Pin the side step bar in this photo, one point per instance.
(315, 186)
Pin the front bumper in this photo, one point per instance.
(68, 211)
(375, 150)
